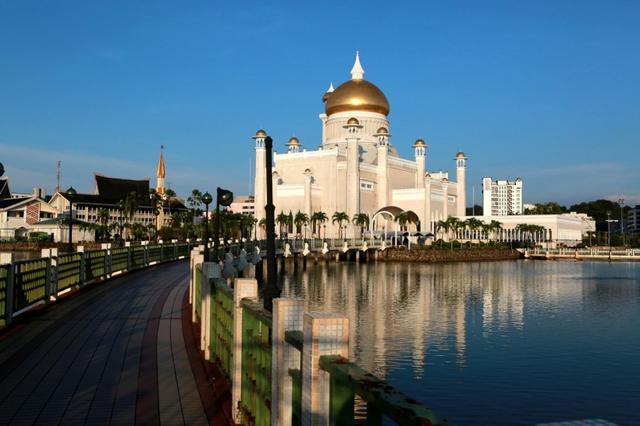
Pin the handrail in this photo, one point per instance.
(27, 283)
(382, 399)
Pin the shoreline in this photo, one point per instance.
(430, 255)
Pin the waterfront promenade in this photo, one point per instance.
(118, 353)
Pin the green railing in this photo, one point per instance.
(40, 280)
(4, 280)
(119, 259)
(221, 345)
(95, 263)
(255, 402)
(30, 282)
(137, 257)
(153, 254)
(68, 270)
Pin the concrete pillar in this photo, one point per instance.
(245, 288)
(198, 260)
(288, 315)
(426, 219)
(382, 187)
(353, 178)
(325, 333)
(308, 179)
(461, 170)
(260, 184)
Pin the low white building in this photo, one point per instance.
(243, 204)
(559, 229)
(501, 197)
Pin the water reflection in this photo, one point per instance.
(456, 323)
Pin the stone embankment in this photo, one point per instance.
(444, 255)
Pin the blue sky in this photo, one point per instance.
(544, 90)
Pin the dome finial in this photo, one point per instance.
(331, 89)
(357, 72)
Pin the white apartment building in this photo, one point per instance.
(501, 197)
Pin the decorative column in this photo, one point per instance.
(308, 180)
(461, 168)
(288, 315)
(325, 333)
(428, 225)
(420, 151)
(382, 185)
(260, 183)
(353, 167)
(445, 198)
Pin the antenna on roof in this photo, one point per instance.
(58, 176)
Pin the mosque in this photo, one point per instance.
(357, 169)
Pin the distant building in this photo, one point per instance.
(20, 215)
(38, 192)
(633, 221)
(243, 204)
(501, 197)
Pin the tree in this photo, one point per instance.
(361, 220)
(472, 224)
(318, 218)
(300, 220)
(495, 227)
(402, 218)
(442, 225)
(339, 218)
(283, 220)
(546, 208)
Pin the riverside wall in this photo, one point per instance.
(444, 255)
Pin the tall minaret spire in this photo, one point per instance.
(160, 173)
(357, 72)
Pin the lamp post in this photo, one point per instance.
(271, 291)
(621, 202)
(223, 198)
(609, 222)
(206, 199)
(71, 193)
(156, 213)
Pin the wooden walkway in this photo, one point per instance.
(111, 354)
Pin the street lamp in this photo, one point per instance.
(609, 221)
(223, 198)
(621, 202)
(156, 213)
(206, 199)
(71, 193)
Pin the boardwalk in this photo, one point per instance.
(112, 354)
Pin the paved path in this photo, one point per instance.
(111, 354)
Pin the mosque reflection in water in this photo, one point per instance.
(543, 338)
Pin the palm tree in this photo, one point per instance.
(318, 217)
(361, 220)
(403, 218)
(496, 227)
(472, 224)
(283, 220)
(300, 220)
(339, 217)
(442, 225)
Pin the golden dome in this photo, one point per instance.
(460, 154)
(353, 122)
(382, 131)
(357, 95)
(419, 142)
(260, 134)
(294, 141)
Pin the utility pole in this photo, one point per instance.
(58, 176)
(621, 202)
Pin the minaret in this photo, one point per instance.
(420, 150)
(383, 150)
(461, 170)
(260, 186)
(160, 189)
(353, 127)
(427, 220)
(293, 146)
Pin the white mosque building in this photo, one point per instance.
(357, 169)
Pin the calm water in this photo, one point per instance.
(519, 342)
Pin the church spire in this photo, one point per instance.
(160, 172)
(357, 72)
